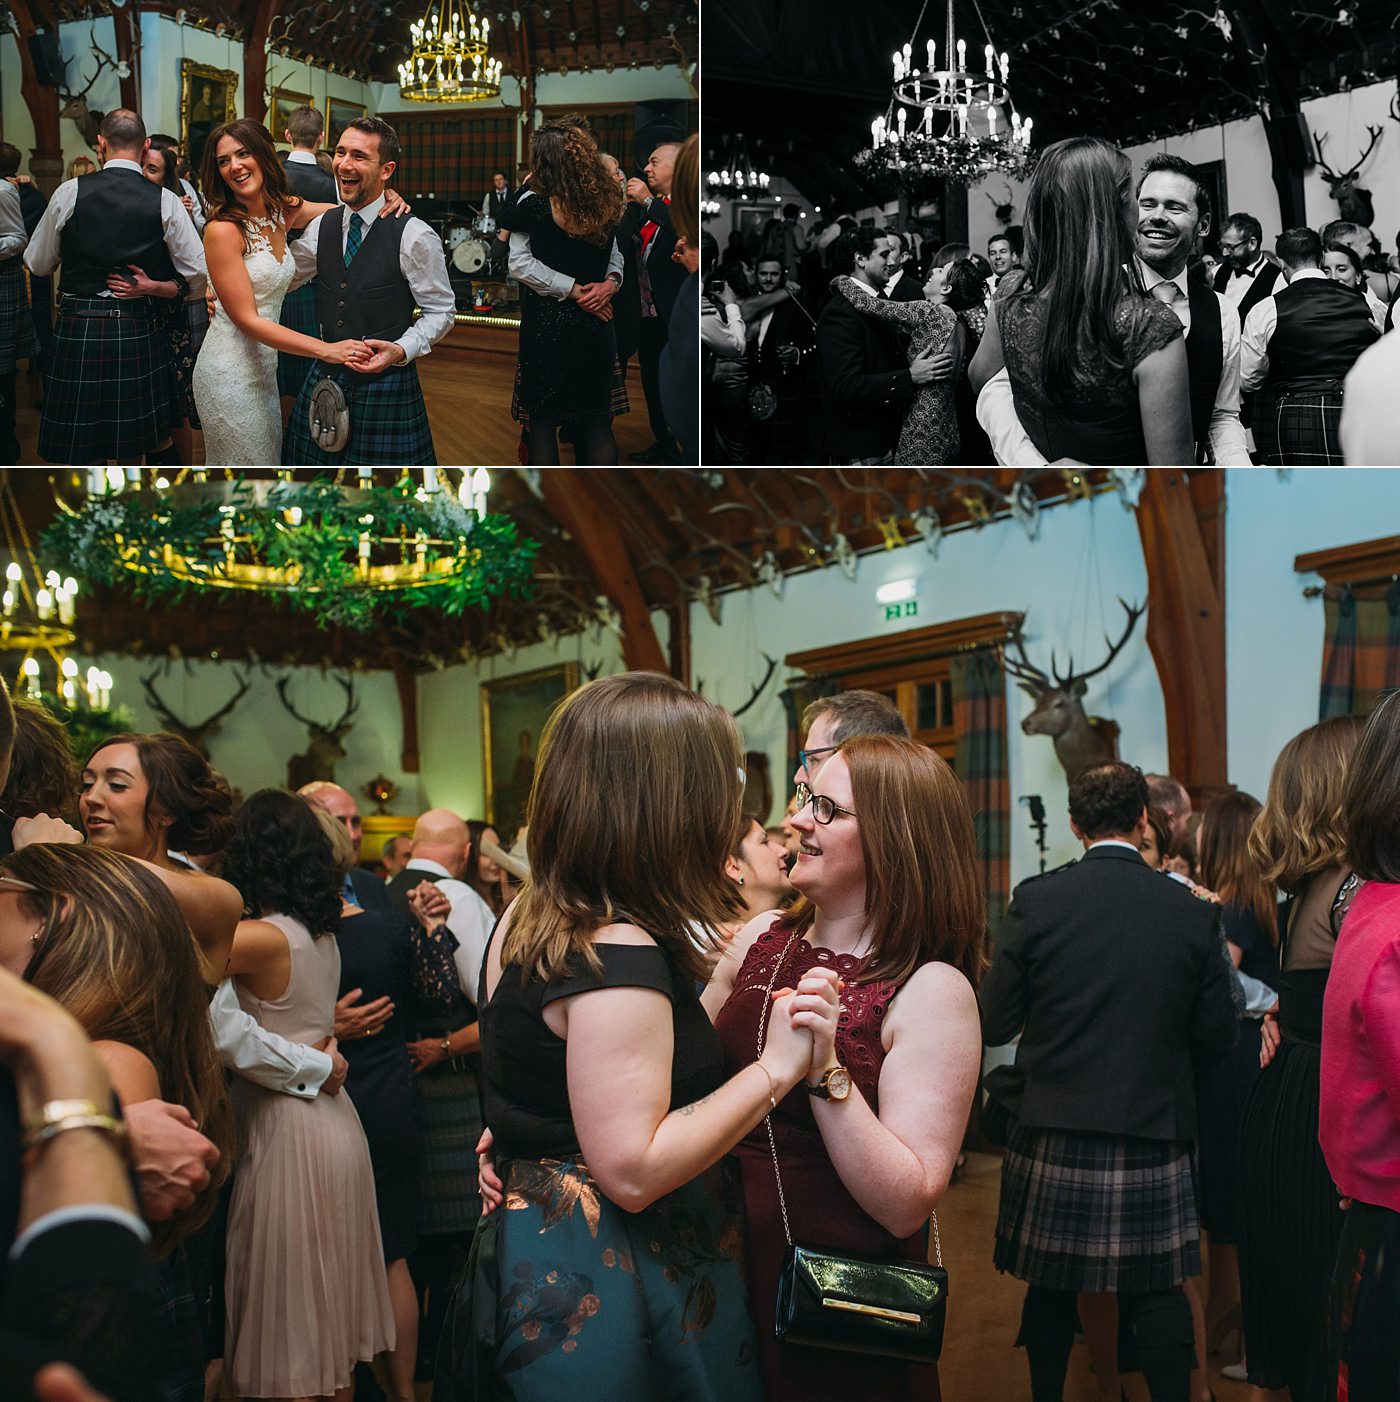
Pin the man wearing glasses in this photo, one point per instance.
(831, 721)
(1245, 275)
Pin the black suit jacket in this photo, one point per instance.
(1119, 982)
(370, 892)
(1261, 287)
(310, 182)
(667, 277)
(865, 373)
(627, 305)
(907, 289)
(790, 326)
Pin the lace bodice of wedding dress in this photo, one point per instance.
(235, 378)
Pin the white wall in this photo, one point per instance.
(1275, 635)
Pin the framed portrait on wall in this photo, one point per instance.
(280, 105)
(208, 97)
(513, 713)
(339, 115)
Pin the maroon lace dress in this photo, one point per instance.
(820, 1210)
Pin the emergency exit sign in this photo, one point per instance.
(908, 609)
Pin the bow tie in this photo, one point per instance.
(1241, 272)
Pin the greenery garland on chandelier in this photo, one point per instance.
(348, 556)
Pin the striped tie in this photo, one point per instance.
(353, 239)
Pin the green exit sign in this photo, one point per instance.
(908, 609)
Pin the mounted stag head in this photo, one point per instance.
(1353, 202)
(198, 735)
(1081, 741)
(326, 741)
(75, 105)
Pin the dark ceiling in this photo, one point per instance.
(803, 79)
(689, 535)
(368, 38)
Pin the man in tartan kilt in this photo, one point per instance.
(111, 391)
(369, 277)
(1119, 983)
(1298, 347)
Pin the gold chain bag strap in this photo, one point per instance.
(856, 1304)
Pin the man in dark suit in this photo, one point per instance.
(1118, 982)
(781, 337)
(1245, 276)
(904, 284)
(868, 378)
(362, 887)
(305, 127)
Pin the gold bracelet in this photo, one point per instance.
(772, 1086)
(59, 1116)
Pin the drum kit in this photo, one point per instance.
(469, 245)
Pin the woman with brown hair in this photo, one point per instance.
(1249, 909)
(614, 1270)
(1292, 1222)
(483, 875)
(101, 935)
(245, 244)
(864, 1150)
(564, 219)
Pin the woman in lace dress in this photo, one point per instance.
(245, 245)
(1098, 369)
(929, 434)
(887, 867)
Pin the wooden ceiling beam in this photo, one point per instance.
(257, 29)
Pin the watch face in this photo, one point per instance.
(838, 1083)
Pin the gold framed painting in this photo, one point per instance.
(208, 97)
(513, 713)
(280, 105)
(339, 115)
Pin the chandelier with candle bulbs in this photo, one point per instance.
(946, 120)
(448, 61)
(350, 554)
(736, 177)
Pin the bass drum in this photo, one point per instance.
(455, 234)
(469, 256)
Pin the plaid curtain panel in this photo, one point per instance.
(454, 157)
(1361, 651)
(979, 717)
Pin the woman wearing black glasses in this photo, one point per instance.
(865, 1148)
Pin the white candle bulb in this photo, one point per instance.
(932, 50)
(1005, 67)
(13, 572)
(897, 74)
(71, 585)
(992, 122)
(43, 601)
(907, 56)
(962, 54)
(8, 602)
(903, 115)
(69, 668)
(1026, 132)
(988, 53)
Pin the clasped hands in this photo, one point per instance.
(595, 297)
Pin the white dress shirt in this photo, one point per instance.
(260, 1056)
(470, 920)
(302, 158)
(996, 405)
(1237, 285)
(181, 239)
(1370, 425)
(13, 239)
(1259, 327)
(197, 213)
(422, 263)
(722, 330)
(539, 277)
(893, 283)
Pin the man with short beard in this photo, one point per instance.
(903, 285)
(780, 334)
(1245, 276)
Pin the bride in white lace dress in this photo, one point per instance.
(245, 246)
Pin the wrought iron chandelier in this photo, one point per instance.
(349, 553)
(949, 123)
(448, 62)
(738, 178)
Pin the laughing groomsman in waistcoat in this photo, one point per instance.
(1298, 347)
(110, 392)
(370, 274)
(1173, 213)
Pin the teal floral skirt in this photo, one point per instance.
(568, 1296)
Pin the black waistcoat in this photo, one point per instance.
(1322, 328)
(310, 181)
(116, 220)
(1205, 358)
(496, 200)
(370, 298)
(1261, 286)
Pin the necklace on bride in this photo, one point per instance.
(264, 223)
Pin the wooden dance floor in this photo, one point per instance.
(467, 383)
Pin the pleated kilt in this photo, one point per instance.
(388, 421)
(1097, 1213)
(1300, 428)
(111, 390)
(450, 1099)
(298, 314)
(17, 337)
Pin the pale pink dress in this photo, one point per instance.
(306, 1290)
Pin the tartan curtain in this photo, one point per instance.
(979, 717)
(452, 157)
(1361, 652)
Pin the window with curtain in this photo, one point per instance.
(1361, 649)
(979, 723)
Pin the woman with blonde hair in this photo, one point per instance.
(564, 220)
(1292, 1223)
(614, 1268)
(859, 1156)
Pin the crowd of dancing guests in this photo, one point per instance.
(552, 1124)
(1110, 327)
(313, 270)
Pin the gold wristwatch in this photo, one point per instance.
(835, 1084)
(445, 1046)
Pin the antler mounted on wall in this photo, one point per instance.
(1353, 202)
(75, 105)
(326, 742)
(197, 733)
